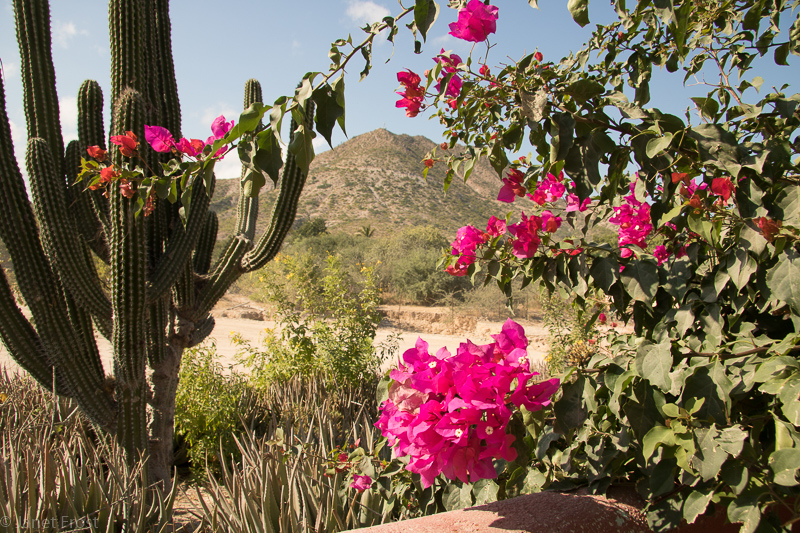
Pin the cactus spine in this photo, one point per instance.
(163, 285)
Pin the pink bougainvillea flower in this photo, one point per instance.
(574, 203)
(190, 147)
(538, 56)
(160, 139)
(661, 253)
(459, 269)
(484, 70)
(361, 483)
(495, 227)
(413, 95)
(449, 413)
(633, 219)
(126, 189)
(220, 128)
(127, 143)
(769, 228)
(468, 238)
(409, 78)
(602, 318)
(108, 174)
(512, 187)
(526, 233)
(722, 187)
(475, 22)
(97, 153)
(550, 222)
(449, 66)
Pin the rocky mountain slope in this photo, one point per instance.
(376, 179)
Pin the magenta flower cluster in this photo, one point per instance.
(161, 140)
(475, 22)
(449, 413)
(633, 219)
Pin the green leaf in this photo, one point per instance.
(268, 159)
(711, 457)
(570, 409)
(789, 204)
(790, 399)
(485, 491)
(781, 53)
(498, 158)
(641, 280)
(654, 362)
(338, 89)
(695, 505)
(584, 89)
(604, 272)
(740, 267)
(685, 318)
(784, 280)
(657, 145)
(425, 13)
(708, 107)
(328, 111)
(302, 147)
(382, 393)
(784, 463)
(657, 436)
(579, 9)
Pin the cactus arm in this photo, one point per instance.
(284, 211)
(59, 236)
(126, 20)
(90, 133)
(81, 207)
(64, 348)
(181, 244)
(38, 75)
(170, 105)
(128, 288)
(22, 342)
(204, 251)
(247, 208)
(225, 272)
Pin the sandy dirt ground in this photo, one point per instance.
(438, 326)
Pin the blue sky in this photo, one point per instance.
(219, 45)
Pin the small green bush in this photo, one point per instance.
(207, 407)
(326, 323)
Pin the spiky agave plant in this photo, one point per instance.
(163, 285)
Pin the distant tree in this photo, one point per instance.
(311, 228)
(367, 231)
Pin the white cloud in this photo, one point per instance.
(442, 40)
(68, 113)
(210, 113)
(228, 168)
(63, 32)
(365, 12)
(320, 144)
(9, 70)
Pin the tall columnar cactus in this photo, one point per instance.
(163, 284)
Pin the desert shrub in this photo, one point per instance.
(326, 322)
(208, 407)
(409, 270)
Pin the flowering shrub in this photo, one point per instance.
(698, 406)
(449, 413)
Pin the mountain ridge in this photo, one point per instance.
(376, 179)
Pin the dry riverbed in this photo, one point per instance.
(440, 327)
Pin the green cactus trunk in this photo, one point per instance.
(163, 285)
